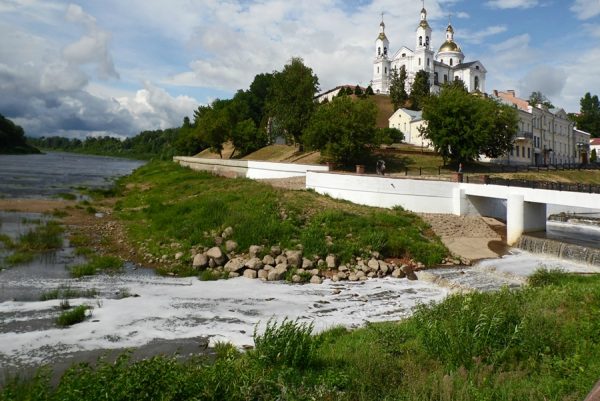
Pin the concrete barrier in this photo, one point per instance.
(248, 168)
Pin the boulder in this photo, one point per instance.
(235, 265)
(316, 280)
(281, 269)
(335, 277)
(331, 261)
(314, 272)
(230, 245)
(200, 261)
(300, 271)
(343, 268)
(352, 277)
(234, 275)
(383, 267)
(211, 263)
(375, 255)
(342, 275)
(321, 264)
(262, 274)
(280, 259)
(216, 254)
(228, 232)
(398, 273)
(412, 276)
(371, 274)
(219, 241)
(294, 258)
(249, 273)
(307, 263)
(296, 279)
(373, 264)
(275, 250)
(360, 274)
(178, 255)
(268, 260)
(254, 250)
(275, 275)
(254, 263)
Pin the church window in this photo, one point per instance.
(378, 70)
(385, 70)
(517, 151)
(445, 78)
(426, 40)
(476, 67)
(435, 78)
(476, 83)
(419, 60)
(427, 61)
(456, 78)
(523, 150)
(420, 40)
(379, 51)
(451, 61)
(385, 51)
(529, 153)
(403, 54)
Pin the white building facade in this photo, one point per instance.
(445, 66)
(409, 123)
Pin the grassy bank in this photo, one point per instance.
(539, 343)
(169, 209)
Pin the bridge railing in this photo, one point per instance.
(554, 186)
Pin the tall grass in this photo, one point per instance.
(464, 348)
(72, 316)
(97, 264)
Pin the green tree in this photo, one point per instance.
(420, 90)
(215, 125)
(12, 138)
(536, 98)
(594, 156)
(358, 91)
(463, 126)
(589, 117)
(389, 135)
(246, 137)
(291, 101)
(398, 93)
(369, 91)
(343, 130)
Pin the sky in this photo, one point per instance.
(113, 67)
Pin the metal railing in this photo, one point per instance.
(553, 186)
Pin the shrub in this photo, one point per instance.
(45, 237)
(289, 343)
(98, 263)
(543, 277)
(73, 316)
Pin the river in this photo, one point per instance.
(163, 314)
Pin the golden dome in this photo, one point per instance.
(424, 24)
(382, 36)
(449, 46)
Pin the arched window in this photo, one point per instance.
(379, 51)
(378, 70)
(451, 62)
(419, 60)
(385, 70)
(445, 78)
(427, 61)
(420, 40)
(403, 54)
(385, 51)
(435, 78)
(476, 67)
(426, 40)
(476, 83)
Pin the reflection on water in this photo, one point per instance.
(46, 175)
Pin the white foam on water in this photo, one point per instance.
(226, 310)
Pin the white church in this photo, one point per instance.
(448, 64)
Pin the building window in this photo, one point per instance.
(420, 40)
(476, 83)
(385, 51)
(419, 60)
(523, 150)
(385, 70)
(378, 70)
(512, 151)
(379, 51)
(517, 151)
(451, 61)
(442, 61)
(403, 54)
(426, 40)
(476, 67)
(445, 78)
(529, 153)
(435, 77)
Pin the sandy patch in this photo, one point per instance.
(34, 205)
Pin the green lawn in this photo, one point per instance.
(169, 204)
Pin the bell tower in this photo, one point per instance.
(381, 64)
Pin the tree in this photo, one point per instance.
(369, 91)
(594, 156)
(246, 137)
(343, 130)
(463, 126)
(291, 101)
(420, 90)
(389, 135)
(12, 138)
(358, 91)
(589, 117)
(536, 98)
(398, 93)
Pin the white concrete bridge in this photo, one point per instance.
(523, 209)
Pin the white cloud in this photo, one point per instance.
(547, 79)
(479, 36)
(592, 29)
(92, 48)
(586, 9)
(504, 4)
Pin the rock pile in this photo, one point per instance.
(276, 264)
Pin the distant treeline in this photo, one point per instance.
(159, 144)
(12, 138)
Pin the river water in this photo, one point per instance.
(166, 310)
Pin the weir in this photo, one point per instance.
(560, 250)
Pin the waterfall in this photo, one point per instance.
(560, 250)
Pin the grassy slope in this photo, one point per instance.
(167, 203)
(540, 343)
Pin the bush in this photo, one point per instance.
(73, 316)
(289, 343)
(543, 277)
